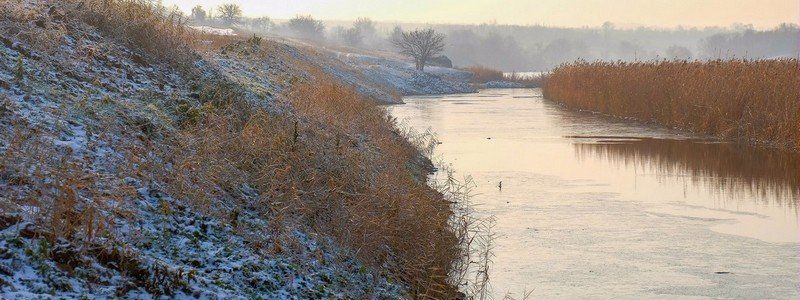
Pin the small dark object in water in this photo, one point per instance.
(488, 138)
(722, 272)
(500, 185)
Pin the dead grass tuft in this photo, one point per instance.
(159, 31)
(35, 25)
(65, 194)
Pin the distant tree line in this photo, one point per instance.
(422, 46)
(542, 48)
(750, 43)
(227, 15)
(230, 15)
(527, 48)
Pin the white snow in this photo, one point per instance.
(213, 30)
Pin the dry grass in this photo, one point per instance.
(749, 101)
(332, 162)
(45, 36)
(483, 74)
(526, 81)
(336, 164)
(159, 31)
(68, 196)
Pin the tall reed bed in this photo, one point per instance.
(483, 74)
(752, 101)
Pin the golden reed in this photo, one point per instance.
(752, 101)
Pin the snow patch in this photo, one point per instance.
(215, 31)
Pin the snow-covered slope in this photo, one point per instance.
(383, 77)
(402, 76)
(81, 212)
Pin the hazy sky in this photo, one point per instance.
(572, 13)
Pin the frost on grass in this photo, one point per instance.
(83, 209)
(172, 251)
(404, 77)
(213, 30)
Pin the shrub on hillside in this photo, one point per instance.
(307, 27)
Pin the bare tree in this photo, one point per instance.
(366, 28)
(351, 37)
(262, 24)
(199, 14)
(230, 13)
(421, 45)
(396, 34)
(307, 27)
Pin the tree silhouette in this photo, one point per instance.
(421, 45)
(199, 14)
(230, 13)
(307, 27)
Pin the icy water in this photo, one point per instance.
(595, 208)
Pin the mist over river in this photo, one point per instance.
(596, 207)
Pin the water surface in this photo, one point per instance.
(596, 207)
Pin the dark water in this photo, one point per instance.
(594, 207)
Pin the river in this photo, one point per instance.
(597, 207)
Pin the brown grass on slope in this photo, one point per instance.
(750, 101)
(138, 23)
(332, 162)
(335, 164)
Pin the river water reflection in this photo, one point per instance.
(594, 207)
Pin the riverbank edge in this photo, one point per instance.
(105, 79)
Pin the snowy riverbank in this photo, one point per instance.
(92, 202)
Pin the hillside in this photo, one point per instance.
(140, 159)
(382, 76)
